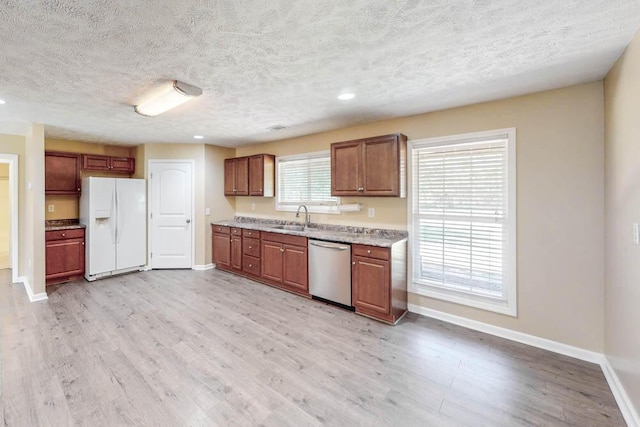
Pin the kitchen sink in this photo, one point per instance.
(289, 227)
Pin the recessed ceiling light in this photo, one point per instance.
(198, 137)
(346, 96)
(2, 101)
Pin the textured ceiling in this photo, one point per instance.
(78, 66)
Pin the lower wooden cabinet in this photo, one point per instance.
(236, 253)
(284, 262)
(221, 247)
(379, 281)
(64, 255)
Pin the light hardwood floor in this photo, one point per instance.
(208, 348)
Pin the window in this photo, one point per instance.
(463, 219)
(305, 180)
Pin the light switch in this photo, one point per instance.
(372, 212)
(50, 208)
(207, 211)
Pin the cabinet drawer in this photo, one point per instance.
(251, 247)
(251, 233)
(370, 251)
(251, 265)
(285, 238)
(221, 229)
(75, 233)
(236, 231)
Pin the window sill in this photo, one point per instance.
(497, 306)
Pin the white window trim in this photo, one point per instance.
(509, 305)
(321, 209)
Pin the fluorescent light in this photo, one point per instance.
(346, 96)
(2, 101)
(198, 137)
(165, 97)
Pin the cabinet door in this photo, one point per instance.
(242, 176)
(229, 177)
(236, 252)
(295, 269)
(123, 164)
(380, 166)
(272, 261)
(95, 162)
(61, 173)
(64, 258)
(222, 250)
(371, 286)
(345, 169)
(256, 175)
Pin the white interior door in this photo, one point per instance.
(171, 213)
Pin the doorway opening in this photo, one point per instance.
(9, 214)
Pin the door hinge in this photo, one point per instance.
(151, 254)
(151, 175)
(151, 215)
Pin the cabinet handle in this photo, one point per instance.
(250, 247)
(353, 263)
(78, 188)
(360, 188)
(281, 250)
(368, 251)
(64, 235)
(250, 265)
(82, 243)
(261, 189)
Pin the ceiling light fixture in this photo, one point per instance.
(166, 96)
(2, 101)
(346, 96)
(198, 137)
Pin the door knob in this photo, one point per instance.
(188, 221)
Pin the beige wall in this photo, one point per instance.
(622, 261)
(12, 144)
(32, 261)
(221, 207)
(560, 174)
(5, 229)
(67, 207)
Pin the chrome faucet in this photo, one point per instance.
(307, 218)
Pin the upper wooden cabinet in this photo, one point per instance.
(95, 162)
(61, 173)
(373, 166)
(249, 176)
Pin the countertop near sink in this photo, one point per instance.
(372, 237)
(62, 224)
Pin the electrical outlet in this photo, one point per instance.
(636, 234)
(207, 211)
(372, 212)
(253, 206)
(50, 208)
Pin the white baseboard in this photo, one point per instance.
(27, 287)
(543, 343)
(622, 398)
(619, 393)
(203, 267)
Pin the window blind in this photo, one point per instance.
(460, 217)
(305, 180)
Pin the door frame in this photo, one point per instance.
(12, 160)
(150, 203)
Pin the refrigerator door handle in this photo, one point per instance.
(113, 222)
(118, 216)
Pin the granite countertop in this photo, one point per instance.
(357, 235)
(62, 224)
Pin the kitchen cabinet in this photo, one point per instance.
(251, 255)
(284, 262)
(262, 175)
(61, 173)
(373, 166)
(64, 255)
(379, 281)
(250, 176)
(236, 176)
(236, 252)
(221, 247)
(95, 162)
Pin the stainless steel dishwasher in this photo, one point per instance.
(330, 272)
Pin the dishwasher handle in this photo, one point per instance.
(329, 246)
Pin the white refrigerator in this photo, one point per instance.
(114, 213)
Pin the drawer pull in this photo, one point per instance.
(250, 247)
(64, 235)
(250, 265)
(368, 251)
(281, 250)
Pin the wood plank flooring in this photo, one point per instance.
(172, 348)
